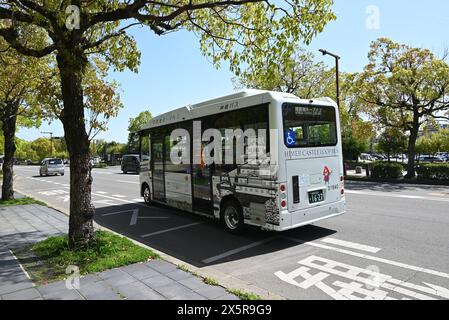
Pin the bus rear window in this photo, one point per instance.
(309, 126)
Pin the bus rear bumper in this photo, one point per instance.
(308, 216)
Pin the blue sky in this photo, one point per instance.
(173, 72)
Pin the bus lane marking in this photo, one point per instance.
(363, 283)
(351, 245)
(369, 257)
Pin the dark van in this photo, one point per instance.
(130, 163)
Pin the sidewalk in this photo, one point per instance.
(154, 280)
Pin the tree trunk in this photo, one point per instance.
(9, 133)
(411, 173)
(81, 231)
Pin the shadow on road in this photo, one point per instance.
(197, 240)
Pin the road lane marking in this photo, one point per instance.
(369, 257)
(124, 181)
(138, 200)
(365, 283)
(237, 250)
(101, 192)
(351, 245)
(171, 229)
(107, 202)
(118, 196)
(122, 200)
(400, 196)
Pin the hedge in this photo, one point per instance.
(433, 171)
(387, 170)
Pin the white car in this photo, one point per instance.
(52, 166)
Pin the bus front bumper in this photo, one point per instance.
(292, 220)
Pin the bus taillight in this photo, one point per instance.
(342, 185)
(283, 195)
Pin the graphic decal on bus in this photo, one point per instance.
(256, 193)
(327, 174)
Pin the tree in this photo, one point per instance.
(404, 87)
(392, 141)
(20, 79)
(240, 31)
(135, 124)
(299, 75)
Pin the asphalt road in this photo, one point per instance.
(393, 243)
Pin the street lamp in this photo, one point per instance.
(337, 59)
(51, 140)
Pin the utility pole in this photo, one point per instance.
(337, 59)
(51, 141)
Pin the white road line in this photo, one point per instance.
(368, 257)
(118, 196)
(171, 229)
(132, 182)
(122, 200)
(134, 217)
(351, 245)
(107, 202)
(138, 200)
(391, 195)
(101, 192)
(237, 250)
(115, 213)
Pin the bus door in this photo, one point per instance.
(157, 168)
(202, 187)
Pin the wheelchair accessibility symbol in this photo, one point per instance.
(290, 138)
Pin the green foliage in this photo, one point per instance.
(387, 170)
(403, 87)
(392, 141)
(135, 125)
(244, 295)
(437, 142)
(20, 202)
(433, 171)
(299, 75)
(106, 252)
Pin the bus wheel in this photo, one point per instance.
(146, 194)
(232, 217)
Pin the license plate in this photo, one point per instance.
(316, 196)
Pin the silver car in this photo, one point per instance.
(52, 167)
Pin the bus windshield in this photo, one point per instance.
(308, 126)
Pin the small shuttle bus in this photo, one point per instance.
(260, 158)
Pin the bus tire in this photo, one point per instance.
(146, 193)
(232, 216)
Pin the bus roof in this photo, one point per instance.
(190, 112)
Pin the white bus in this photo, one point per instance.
(296, 178)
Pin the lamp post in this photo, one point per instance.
(51, 140)
(337, 59)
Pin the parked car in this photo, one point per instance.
(378, 157)
(443, 155)
(431, 159)
(366, 158)
(52, 166)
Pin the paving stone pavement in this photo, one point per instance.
(153, 280)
